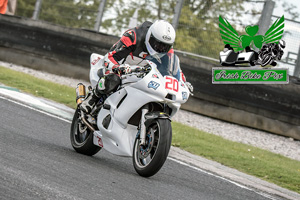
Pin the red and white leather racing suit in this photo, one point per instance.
(130, 49)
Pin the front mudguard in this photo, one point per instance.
(151, 116)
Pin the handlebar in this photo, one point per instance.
(138, 69)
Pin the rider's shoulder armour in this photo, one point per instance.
(141, 32)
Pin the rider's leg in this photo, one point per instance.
(93, 96)
(107, 84)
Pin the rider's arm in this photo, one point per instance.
(280, 54)
(182, 76)
(120, 51)
(183, 79)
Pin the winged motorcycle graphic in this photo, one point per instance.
(235, 44)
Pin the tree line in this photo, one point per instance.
(197, 31)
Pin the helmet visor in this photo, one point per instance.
(159, 46)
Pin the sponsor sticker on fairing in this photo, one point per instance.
(94, 62)
(184, 96)
(153, 84)
(100, 143)
(155, 76)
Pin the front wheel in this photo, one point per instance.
(81, 137)
(266, 60)
(149, 158)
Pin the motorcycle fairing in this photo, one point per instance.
(118, 137)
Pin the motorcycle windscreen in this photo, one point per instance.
(167, 64)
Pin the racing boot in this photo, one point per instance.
(94, 96)
(88, 104)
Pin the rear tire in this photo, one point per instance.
(82, 141)
(158, 153)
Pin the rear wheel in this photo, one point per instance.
(149, 158)
(81, 137)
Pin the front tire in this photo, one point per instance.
(149, 158)
(81, 137)
(266, 60)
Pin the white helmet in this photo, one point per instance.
(160, 37)
(282, 44)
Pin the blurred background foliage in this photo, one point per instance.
(197, 30)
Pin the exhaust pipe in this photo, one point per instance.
(86, 122)
(80, 93)
(80, 96)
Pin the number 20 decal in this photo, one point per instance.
(172, 84)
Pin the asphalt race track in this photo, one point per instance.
(37, 161)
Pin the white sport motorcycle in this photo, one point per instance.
(135, 120)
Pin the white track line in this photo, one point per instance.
(220, 177)
(27, 106)
(173, 159)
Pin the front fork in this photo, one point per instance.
(145, 110)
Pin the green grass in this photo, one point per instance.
(268, 166)
(38, 87)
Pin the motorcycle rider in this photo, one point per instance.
(132, 49)
(276, 49)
